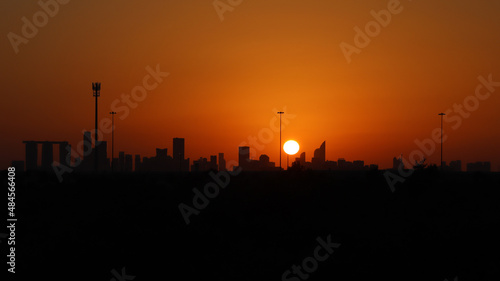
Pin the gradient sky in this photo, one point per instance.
(227, 78)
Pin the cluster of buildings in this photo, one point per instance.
(247, 164)
(203, 164)
(162, 162)
(319, 162)
(454, 166)
(92, 157)
(479, 167)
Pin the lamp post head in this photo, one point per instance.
(280, 112)
(112, 112)
(441, 114)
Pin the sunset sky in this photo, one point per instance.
(228, 78)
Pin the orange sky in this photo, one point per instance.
(226, 77)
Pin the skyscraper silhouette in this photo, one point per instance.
(244, 156)
(178, 149)
(318, 160)
(180, 164)
(222, 162)
(128, 163)
(137, 162)
(213, 162)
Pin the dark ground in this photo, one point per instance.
(433, 227)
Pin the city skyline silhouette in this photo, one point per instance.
(175, 162)
(250, 140)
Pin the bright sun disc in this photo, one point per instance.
(291, 147)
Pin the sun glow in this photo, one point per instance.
(291, 147)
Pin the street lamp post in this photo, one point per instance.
(280, 113)
(442, 114)
(112, 140)
(96, 88)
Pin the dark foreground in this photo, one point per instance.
(433, 227)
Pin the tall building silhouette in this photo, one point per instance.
(88, 163)
(302, 159)
(137, 162)
(222, 162)
(102, 156)
(178, 149)
(47, 154)
(213, 162)
(243, 156)
(87, 143)
(128, 163)
(180, 164)
(319, 156)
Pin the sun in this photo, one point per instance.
(291, 147)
